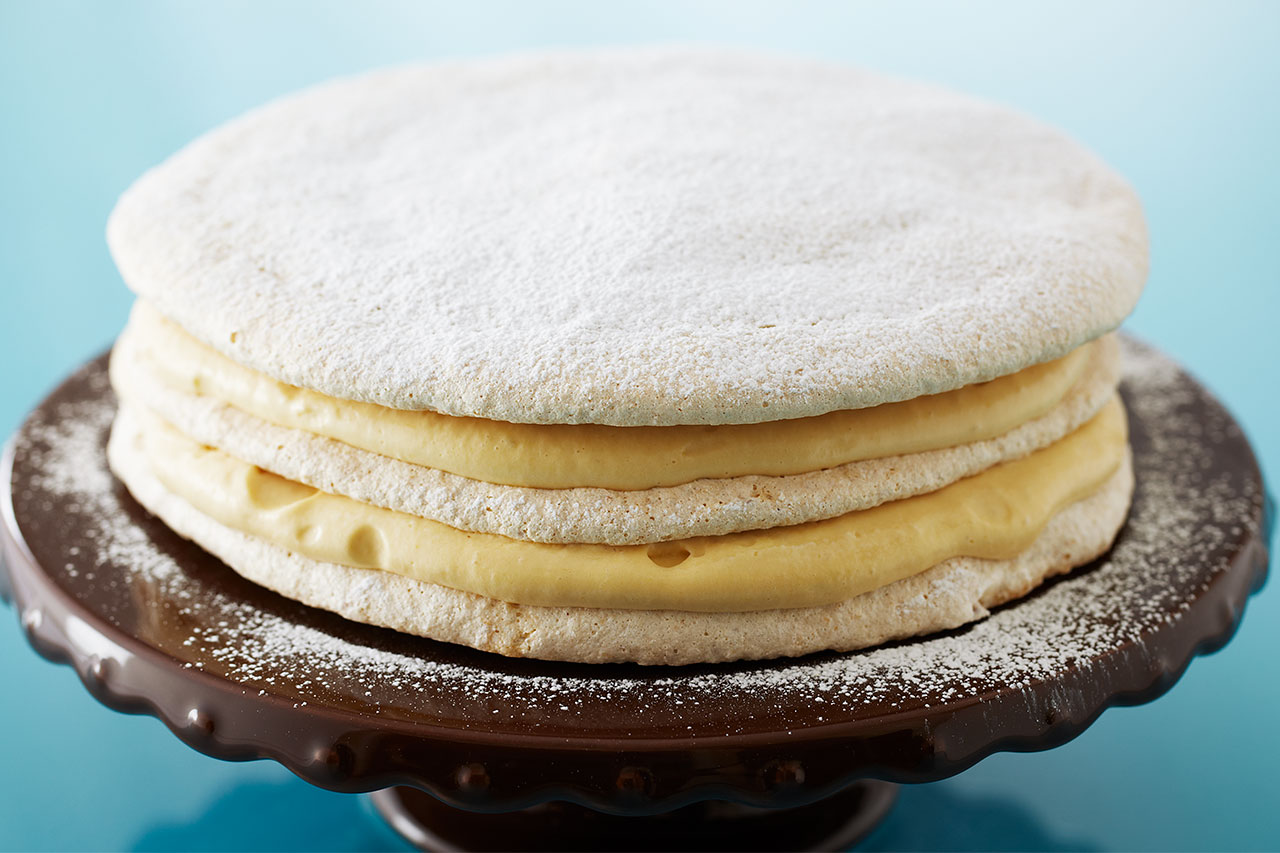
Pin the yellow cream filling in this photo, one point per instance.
(994, 515)
(561, 456)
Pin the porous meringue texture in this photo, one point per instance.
(566, 456)
(663, 355)
(634, 237)
(993, 515)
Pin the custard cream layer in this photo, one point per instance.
(562, 456)
(993, 515)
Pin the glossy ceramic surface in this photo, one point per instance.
(155, 625)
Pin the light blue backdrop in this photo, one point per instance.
(1181, 97)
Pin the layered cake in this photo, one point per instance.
(662, 356)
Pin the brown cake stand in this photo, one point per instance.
(471, 750)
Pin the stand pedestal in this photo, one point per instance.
(835, 823)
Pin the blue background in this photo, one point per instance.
(1180, 97)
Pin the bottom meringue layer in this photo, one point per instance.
(950, 594)
(994, 515)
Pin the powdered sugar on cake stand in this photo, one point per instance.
(154, 624)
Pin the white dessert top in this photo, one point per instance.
(653, 236)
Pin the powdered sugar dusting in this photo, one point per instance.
(627, 255)
(66, 450)
(1183, 506)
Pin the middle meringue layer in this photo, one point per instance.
(564, 456)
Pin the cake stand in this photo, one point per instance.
(468, 750)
